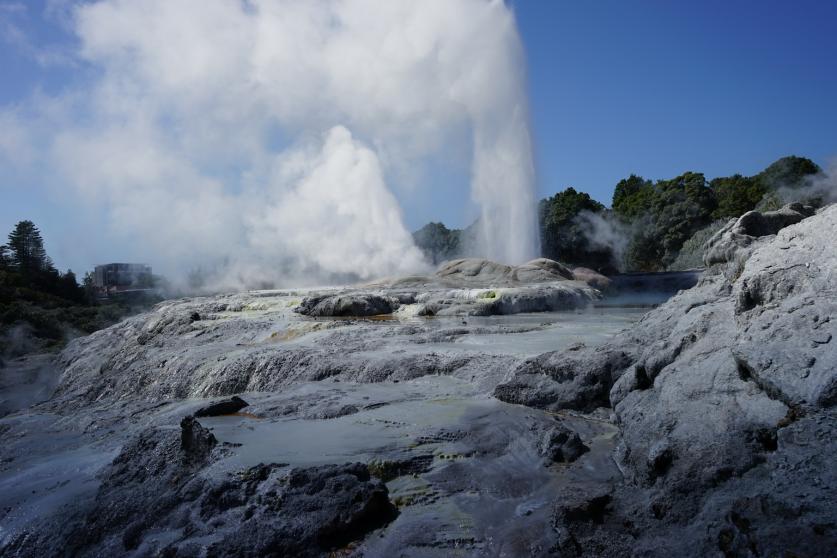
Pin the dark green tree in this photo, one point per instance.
(28, 256)
(662, 216)
(88, 284)
(632, 197)
(681, 206)
(736, 195)
(68, 287)
(438, 242)
(788, 172)
(644, 251)
(564, 235)
(5, 259)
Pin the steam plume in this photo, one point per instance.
(263, 133)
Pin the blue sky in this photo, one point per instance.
(659, 87)
(654, 88)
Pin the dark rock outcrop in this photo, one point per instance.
(307, 513)
(196, 442)
(225, 407)
(342, 305)
(561, 445)
(158, 484)
(575, 379)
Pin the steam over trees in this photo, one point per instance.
(438, 242)
(651, 220)
(667, 214)
(662, 216)
(564, 233)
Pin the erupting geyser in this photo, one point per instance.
(277, 137)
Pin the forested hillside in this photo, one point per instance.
(651, 225)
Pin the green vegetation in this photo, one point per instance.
(667, 214)
(438, 242)
(652, 226)
(736, 195)
(565, 236)
(661, 217)
(40, 308)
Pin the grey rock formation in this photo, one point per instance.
(349, 304)
(705, 428)
(508, 300)
(576, 379)
(717, 394)
(155, 500)
(739, 234)
(592, 278)
(478, 272)
(561, 445)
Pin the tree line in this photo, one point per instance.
(25, 264)
(40, 307)
(648, 223)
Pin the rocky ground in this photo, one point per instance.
(724, 399)
(439, 416)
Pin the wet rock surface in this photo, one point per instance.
(704, 428)
(156, 500)
(408, 397)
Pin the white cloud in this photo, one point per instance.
(16, 141)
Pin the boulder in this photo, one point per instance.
(541, 270)
(576, 378)
(561, 445)
(196, 442)
(223, 407)
(738, 235)
(347, 305)
(477, 272)
(592, 278)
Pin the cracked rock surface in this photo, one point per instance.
(724, 397)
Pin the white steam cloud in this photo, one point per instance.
(263, 133)
(821, 187)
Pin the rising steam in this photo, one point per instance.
(263, 133)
